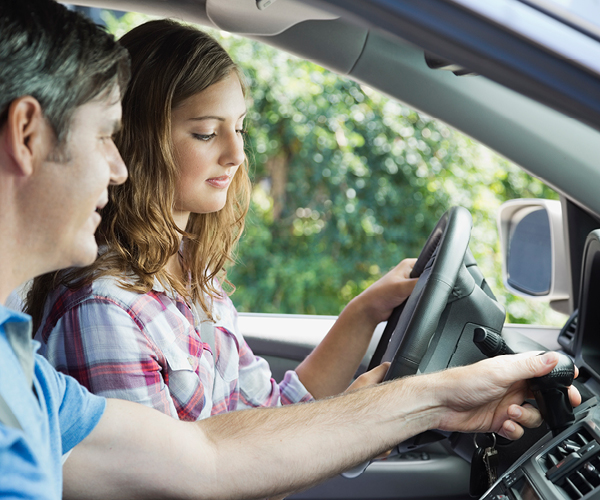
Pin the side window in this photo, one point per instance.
(348, 182)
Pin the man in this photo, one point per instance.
(60, 85)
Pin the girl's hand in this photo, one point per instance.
(379, 300)
(370, 378)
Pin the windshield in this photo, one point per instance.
(582, 14)
(569, 28)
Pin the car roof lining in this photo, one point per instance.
(244, 17)
(312, 40)
(191, 11)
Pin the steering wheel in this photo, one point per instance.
(412, 324)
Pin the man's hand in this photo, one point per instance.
(379, 300)
(489, 395)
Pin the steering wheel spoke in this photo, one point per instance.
(411, 326)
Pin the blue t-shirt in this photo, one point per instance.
(61, 416)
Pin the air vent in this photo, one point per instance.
(567, 334)
(574, 465)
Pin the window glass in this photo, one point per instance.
(585, 14)
(568, 28)
(348, 182)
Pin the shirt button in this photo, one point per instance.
(191, 361)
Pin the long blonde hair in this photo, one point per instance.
(170, 62)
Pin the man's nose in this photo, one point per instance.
(118, 169)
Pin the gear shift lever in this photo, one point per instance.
(552, 396)
(550, 391)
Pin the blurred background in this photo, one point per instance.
(347, 183)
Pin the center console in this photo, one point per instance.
(563, 467)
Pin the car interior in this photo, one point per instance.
(523, 78)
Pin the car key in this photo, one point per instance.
(490, 458)
(484, 465)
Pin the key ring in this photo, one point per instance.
(485, 434)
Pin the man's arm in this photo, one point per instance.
(137, 452)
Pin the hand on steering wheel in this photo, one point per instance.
(412, 324)
(379, 300)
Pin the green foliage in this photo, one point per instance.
(348, 182)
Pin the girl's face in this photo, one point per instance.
(207, 133)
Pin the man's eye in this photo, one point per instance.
(204, 137)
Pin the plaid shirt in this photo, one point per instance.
(154, 349)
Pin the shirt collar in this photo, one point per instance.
(157, 286)
(166, 289)
(9, 316)
(17, 329)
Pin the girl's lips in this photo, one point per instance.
(219, 182)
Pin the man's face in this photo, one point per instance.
(76, 183)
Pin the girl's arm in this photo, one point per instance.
(329, 369)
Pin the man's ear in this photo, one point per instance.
(27, 135)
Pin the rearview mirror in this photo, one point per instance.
(533, 250)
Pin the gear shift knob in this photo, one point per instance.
(550, 391)
(552, 396)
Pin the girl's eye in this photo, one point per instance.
(204, 137)
(242, 132)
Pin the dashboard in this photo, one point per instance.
(567, 466)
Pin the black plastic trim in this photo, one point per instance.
(579, 223)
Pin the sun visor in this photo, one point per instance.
(246, 18)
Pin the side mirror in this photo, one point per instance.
(534, 261)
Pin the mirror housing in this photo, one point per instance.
(533, 250)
